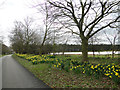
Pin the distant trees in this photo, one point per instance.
(6, 50)
(3, 48)
(24, 38)
(77, 48)
(1, 45)
(85, 18)
(112, 39)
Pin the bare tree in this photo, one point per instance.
(92, 41)
(47, 24)
(63, 39)
(85, 18)
(24, 36)
(112, 41)
(28, 32)
(17, 37)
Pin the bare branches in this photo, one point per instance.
(103, 27)
(101, 10)
(89, 16)
(59, 5)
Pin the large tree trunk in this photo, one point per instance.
(84, 49)
(40, 50)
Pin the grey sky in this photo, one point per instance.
(13, 10)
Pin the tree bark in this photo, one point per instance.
(84, 49)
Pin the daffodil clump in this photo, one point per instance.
(112, 71)
(36, 59)
(22, 55)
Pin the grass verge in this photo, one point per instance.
(2, 55)
(57, 78)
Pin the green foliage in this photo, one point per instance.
(51, 56)
(67, 66)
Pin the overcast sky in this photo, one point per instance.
(13, 10)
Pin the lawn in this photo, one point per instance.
(98, 59)
(48, 71)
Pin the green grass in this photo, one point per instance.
(98, 59)
(57, 78)
(2, 55)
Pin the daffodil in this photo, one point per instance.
(112, 66)
(92, 66)
(107, 74)
(110, 76)
(83, 71)
(96, 66)
(116, 74)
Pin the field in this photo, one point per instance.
(67, 71)
(97, 59)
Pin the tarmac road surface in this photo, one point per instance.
(16, 76)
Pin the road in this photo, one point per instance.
(16, 76)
